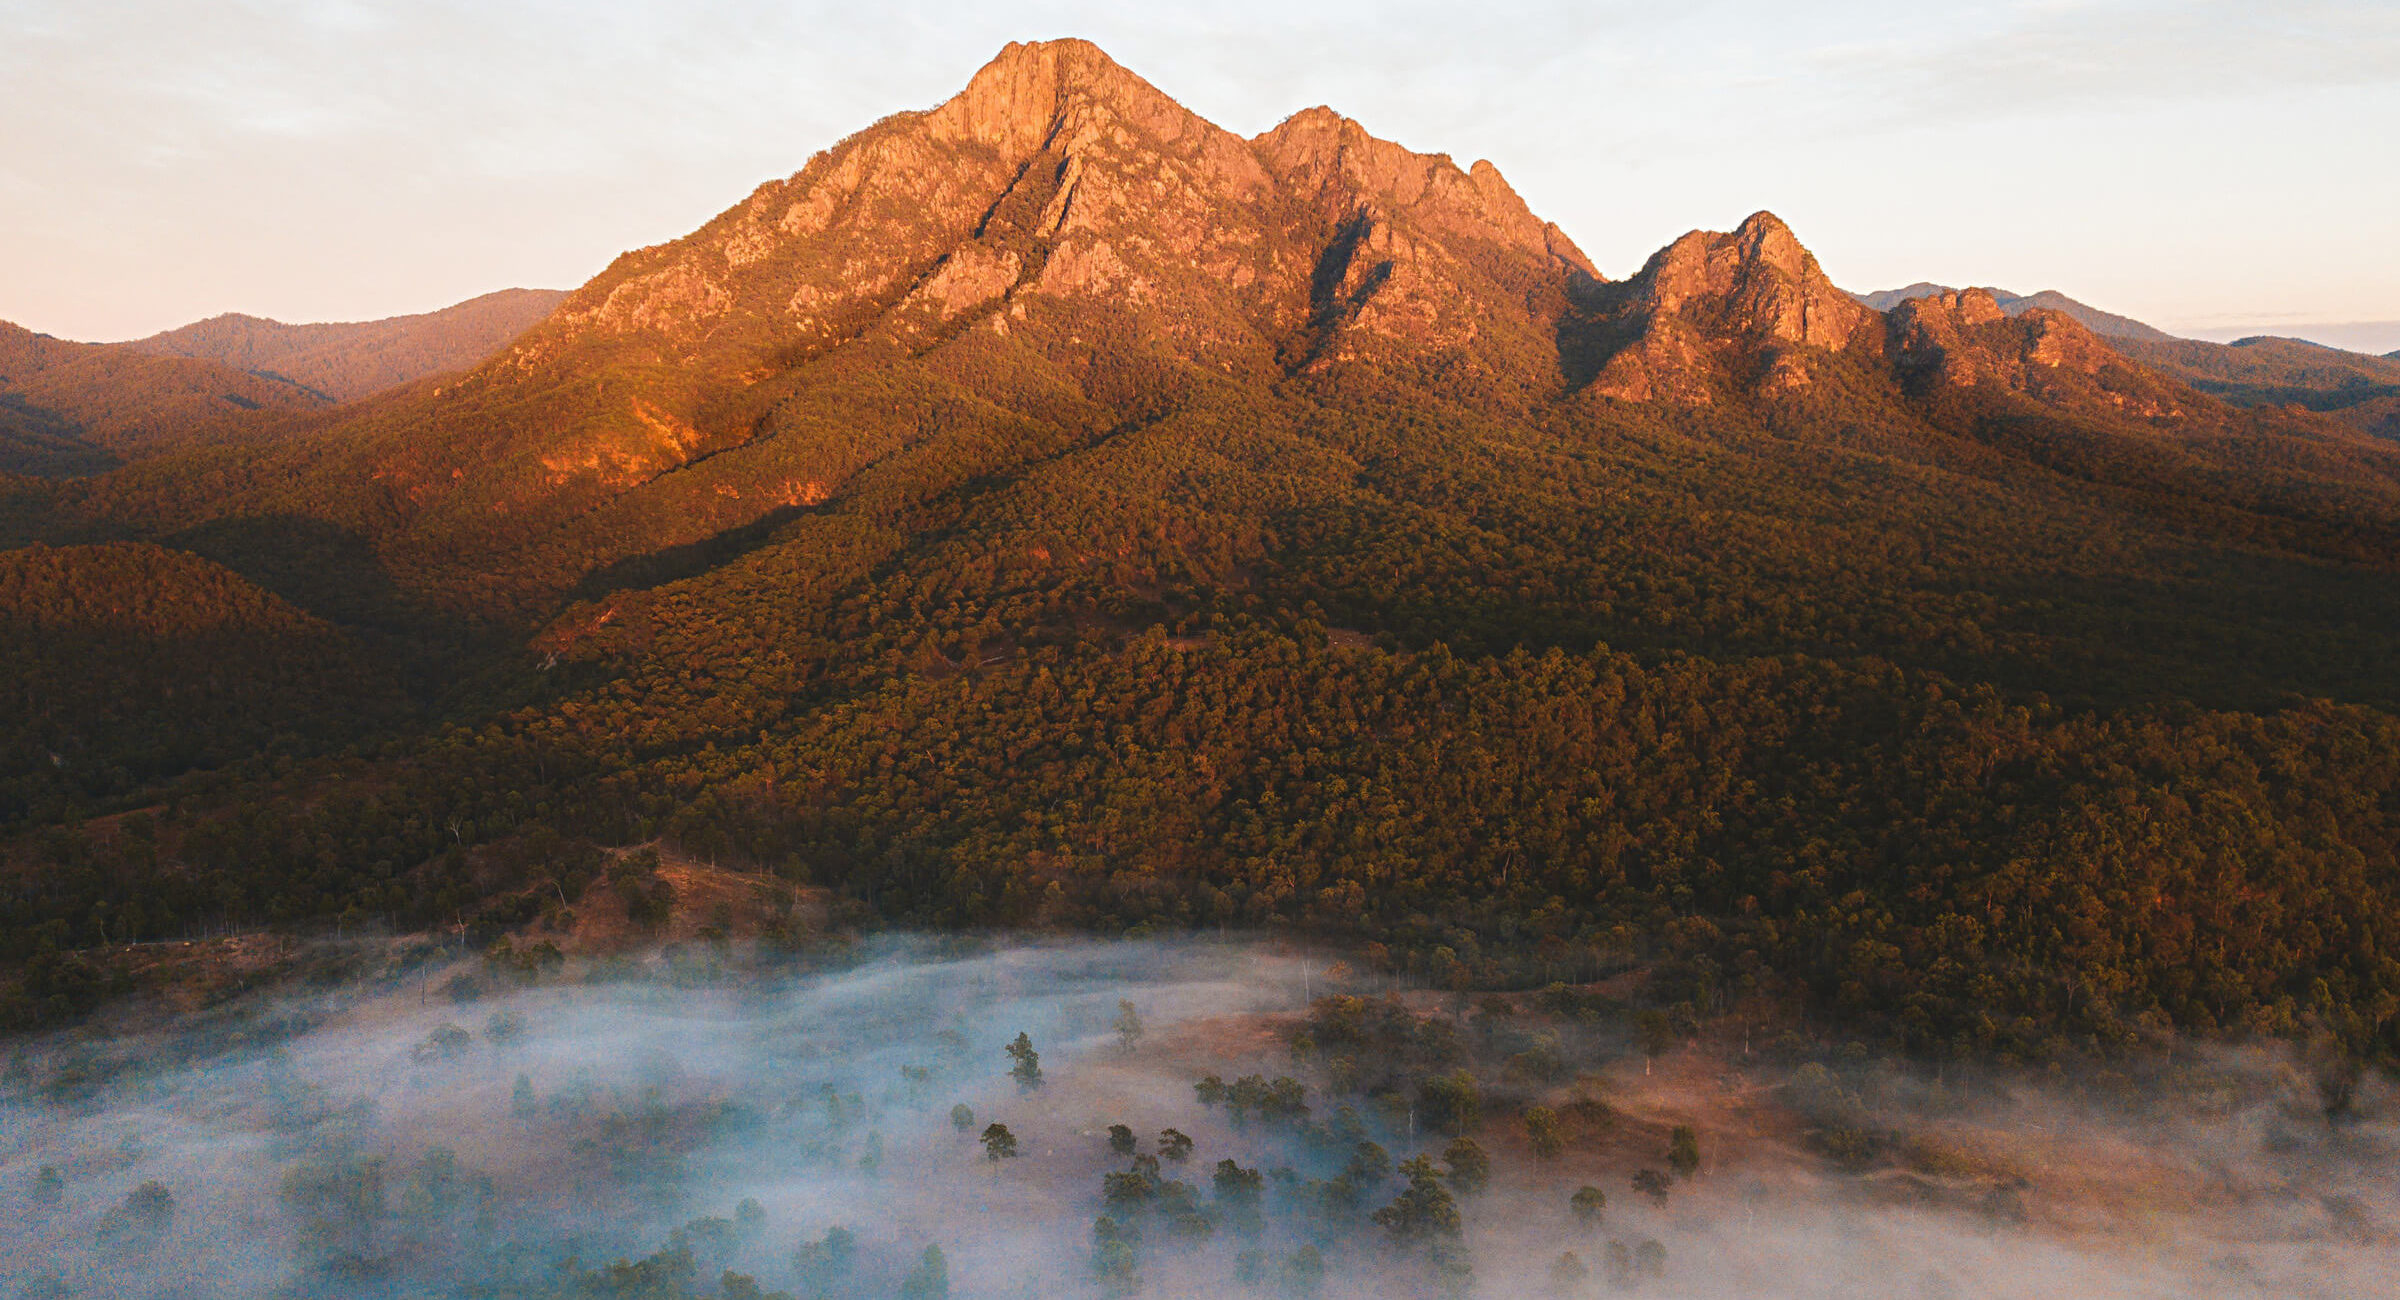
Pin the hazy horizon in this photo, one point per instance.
(327, 161)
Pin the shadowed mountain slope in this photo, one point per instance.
(350, 360)
(127, 663)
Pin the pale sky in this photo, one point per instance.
(2195, 164)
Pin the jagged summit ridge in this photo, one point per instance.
(1715, 307)
(1050, 141)
(1020, 101)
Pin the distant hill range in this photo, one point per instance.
(2263, 370)
(70, 408)
(74, 408)
(349, 360)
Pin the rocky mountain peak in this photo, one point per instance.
(1757, 281)
(1714, 305)
(1967, 338)
(1333, 162)
(1017, 103)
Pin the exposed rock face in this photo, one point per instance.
(1709, 308)
(1965, 339)
(1420, 249)
(1056, 194)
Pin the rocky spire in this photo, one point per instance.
(1711, 301)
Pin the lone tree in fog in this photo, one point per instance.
(1658, 1034)
(1120, 1140)
(1129, 1025)
(1470, 1168)
(1425, 1211)
(1028, 1068)
(1683, 1150)
(962, 1117)
(140, 1221)
(49, 1186)
(1452, 1101)
(1369, 1164)
(521, 1100)
(1235, 1185)
(1304, 1273)
(1567, 1274)
(1588, 1203)
(1238, 1191)
(820, 1264)
(1541, 1132)
(1115, 1260)
(1174, 1144)
(1651, 1183)
(999, 1144)
(930, 1279)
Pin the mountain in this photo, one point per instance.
(73, 408)
(1060, 228)
(1052, 510)
(2105, 324)
(351, 360)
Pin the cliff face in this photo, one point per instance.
(1713, 309)
(1059, 176)
(1963, 340)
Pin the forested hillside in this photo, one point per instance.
(2359, 389)
(1052, 510)
(127, 663)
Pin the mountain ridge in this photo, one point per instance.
(348, 360)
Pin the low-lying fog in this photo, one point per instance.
(642, 1130)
